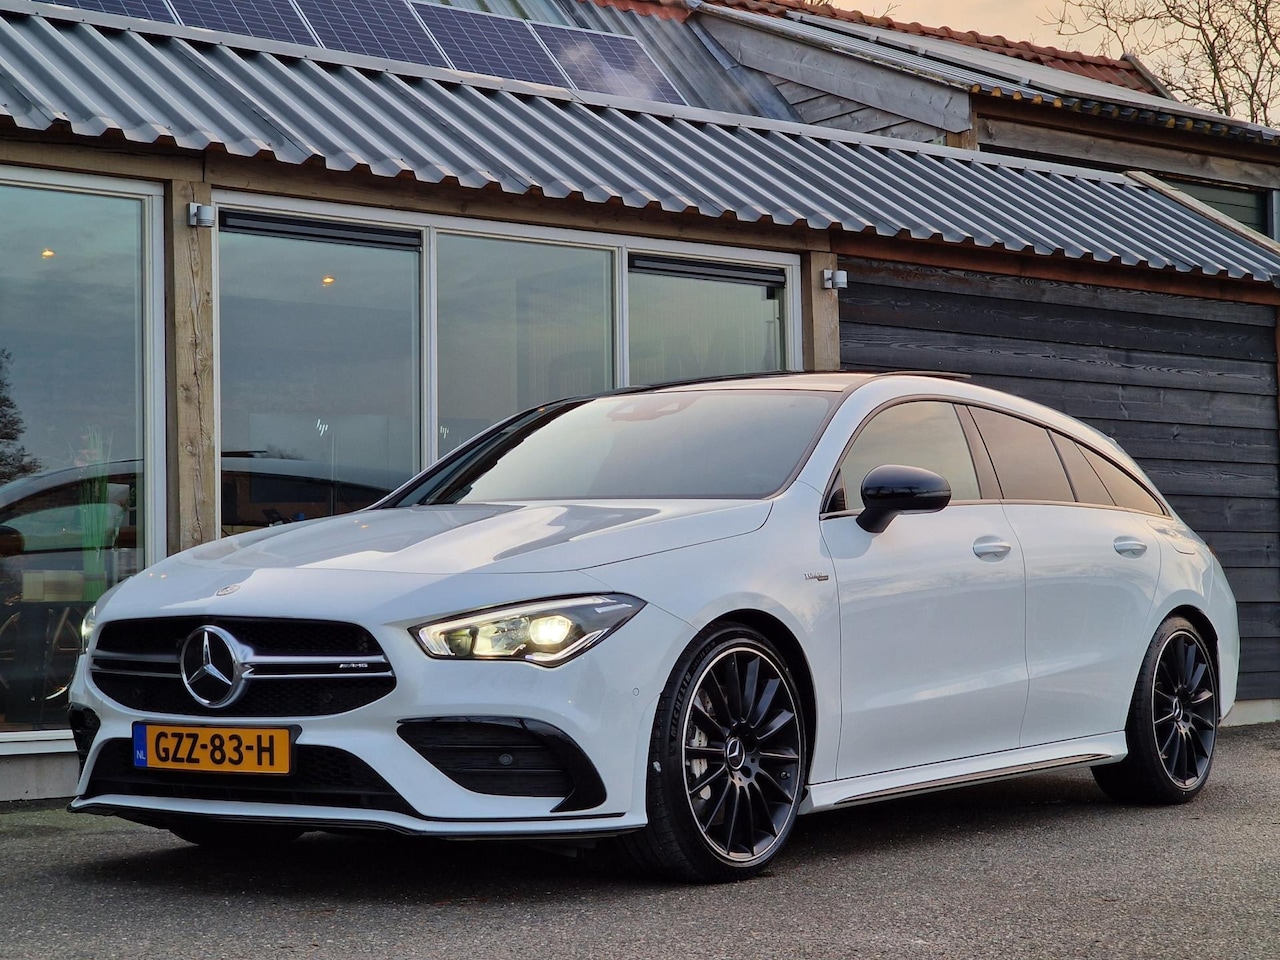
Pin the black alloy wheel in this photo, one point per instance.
(1173, 722)
(727, 760)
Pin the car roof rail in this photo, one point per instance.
(938, 374)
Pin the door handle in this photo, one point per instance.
(991, 549)
(1129, 546)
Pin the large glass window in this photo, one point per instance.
(518, 324)
(319, 348)
(72, 511)
(690, 318)
(355, 352)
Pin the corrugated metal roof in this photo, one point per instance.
(94, 75)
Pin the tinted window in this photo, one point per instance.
(1088, 487)
(1124, 489)
(696, 443)
(1026, 462)
(922, 433)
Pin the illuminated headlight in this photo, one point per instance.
(86, 627)
(546, 632)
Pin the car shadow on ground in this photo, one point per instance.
(378, 867)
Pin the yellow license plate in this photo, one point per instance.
(219, 749)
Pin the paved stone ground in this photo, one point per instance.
(1038, 868)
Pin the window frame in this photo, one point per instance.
(1110, 458)
(152, 395)
(151, 364)
(1057, 457)
(956, 405)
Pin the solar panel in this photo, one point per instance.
(607, 63)
(427, 33)
(484, 43)
(267, 19)
(143, 9)
(377, 28)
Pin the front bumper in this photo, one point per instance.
(601, 705)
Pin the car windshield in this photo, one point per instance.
(740, 444)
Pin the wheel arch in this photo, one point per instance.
(789, 646)
(1204, 626)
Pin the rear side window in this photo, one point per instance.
(1026, 461)
(1088, 486)
(920, 433)
(1125, 490)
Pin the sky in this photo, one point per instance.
(1014, 19)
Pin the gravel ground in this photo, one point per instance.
(1040, 867)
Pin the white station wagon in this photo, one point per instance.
(680, 616)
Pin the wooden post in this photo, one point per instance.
(189, 370)
(821, 308)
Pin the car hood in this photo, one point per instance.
(485, 538)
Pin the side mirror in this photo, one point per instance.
(892, 489)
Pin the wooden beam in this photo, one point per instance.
(1032, 266)
(1007, 135)
(189, 400)
(860, 81)
(58, 153)
(821, 310)
(1129, 132)
(313, 182)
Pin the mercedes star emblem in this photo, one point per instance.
(735, 753)
(214, 665)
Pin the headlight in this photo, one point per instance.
(546, 632)
(86, 627)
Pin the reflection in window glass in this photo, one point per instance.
(923, 433)
(686, 327)
(518, 324)
(686, 444)
(1084, 479)
(1026, 462)
(71, 324)
(319, 373)
(1124, 489)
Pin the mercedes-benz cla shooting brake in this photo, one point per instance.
(680, 616)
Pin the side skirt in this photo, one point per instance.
(1106, 748)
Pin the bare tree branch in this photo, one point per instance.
(1220, 54)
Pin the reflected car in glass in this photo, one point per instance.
(679, 617)
(68, 534)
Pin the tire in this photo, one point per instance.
(1172, 724)
(726, 762)
(235, 838)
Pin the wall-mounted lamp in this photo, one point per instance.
(835, 279)
(201, 215)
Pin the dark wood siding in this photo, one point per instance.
(1187, 387)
